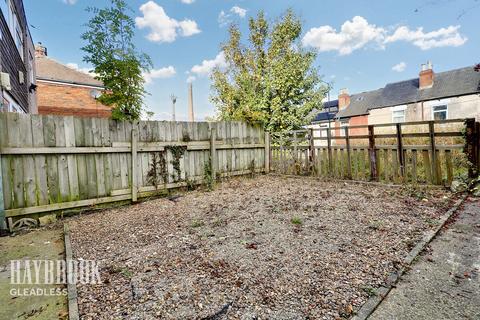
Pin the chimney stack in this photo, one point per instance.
(191, 117)
(343, 99)
(40, 50)
(426, 76)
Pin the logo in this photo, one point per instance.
(47, 277)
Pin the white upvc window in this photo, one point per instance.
(398, 113)
(440, 109)
(10, 105)
(343, 124)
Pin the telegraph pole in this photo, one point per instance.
(174, 100)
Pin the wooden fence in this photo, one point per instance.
(397, 152)
(51, 163)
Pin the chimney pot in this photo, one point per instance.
(40, 50)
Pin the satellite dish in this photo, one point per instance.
(95, 94)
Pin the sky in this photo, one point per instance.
(362, 44)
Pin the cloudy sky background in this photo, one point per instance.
(361, 44)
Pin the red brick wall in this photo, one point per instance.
(69, 100)
(354, 121)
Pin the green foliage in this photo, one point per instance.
(116, 63)
(157, 172)
(296, 221)
(271, 79)
(177, 153)
(197, 223)
(208, 175)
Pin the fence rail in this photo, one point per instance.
(345, 155)
(52, 163)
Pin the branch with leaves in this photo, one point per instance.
(116, 62)
(271, 79)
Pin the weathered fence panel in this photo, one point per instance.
(57, 163)
(419, 152)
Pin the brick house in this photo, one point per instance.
(65, 91)
(432, 96)
(17, 67)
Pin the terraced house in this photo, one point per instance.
(432, 96)
(17, 65)
(62, 90)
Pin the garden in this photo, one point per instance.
(268, 247)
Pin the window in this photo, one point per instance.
(10, 105)
(322, 131)
(440, 112)
(343, 124)
(3, 8)
(8, 11)
(398, 114)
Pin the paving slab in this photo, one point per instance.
(40, 244)
(444, 283)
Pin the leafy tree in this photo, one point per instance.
(271, 79)
(116, 62)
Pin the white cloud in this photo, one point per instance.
(162, 27)
(353, 35)
(161, 73)
(190, 79)
(76, 67)
(188, 1)
(399, 67)
(225, 18)
(239, 11)
(358, 33)
(207, 66)
(71, 2)
(188, 28)
(443, 37)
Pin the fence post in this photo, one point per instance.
(433, 147)
(372, 153)
(401, 155)
(213, 153)
(295, 149)
(134, 146)
(470, 149)
(267, 152)
(477, 132)
(3, 224)
(349, 156)
(311, 147)
(329, 148)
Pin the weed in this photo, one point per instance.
(197, 223)
(208, 175)
(126, 273)
(296, 221)
(370, 291)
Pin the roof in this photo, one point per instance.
(446, 84)
(49, 69)
(328, 112)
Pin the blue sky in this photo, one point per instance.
(361, 44)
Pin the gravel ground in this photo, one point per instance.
(271, 247)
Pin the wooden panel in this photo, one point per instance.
(82, 173)
(53, 162)
(71, 159)
(40, 163)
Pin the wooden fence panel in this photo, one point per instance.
(57, 163)
(420, 152)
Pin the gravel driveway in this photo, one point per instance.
(271, 247)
